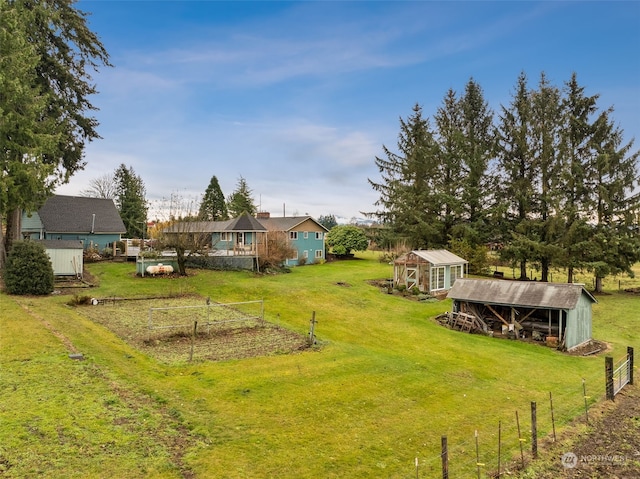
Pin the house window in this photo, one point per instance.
(437, 278)
(295, 255)
(293, 235)
(306, 234)
(305, 254)
(224, 236)
(319, 235)
(318, 253)
(455, 273)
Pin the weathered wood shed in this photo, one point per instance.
(431, 271)
(543, 311)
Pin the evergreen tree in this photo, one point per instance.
(241, 200)
(517, 174)
(328, 221)
(615, 244)
(131, 201)
(47, 51)
(213, 206)
(409, 202)
(448, 124)
(578, 168)
(477, 148)
(545, 135)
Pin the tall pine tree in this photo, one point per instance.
(47, 54)
(131, 201)
(241, 200)
(408, 201)
(517, 174)
(213, 206)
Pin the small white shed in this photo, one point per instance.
(66, 256)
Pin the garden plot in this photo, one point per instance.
(181, 329)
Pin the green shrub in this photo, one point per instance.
(28, 269)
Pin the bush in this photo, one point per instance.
(28, 269)
(346, 238)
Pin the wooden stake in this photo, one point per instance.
(534, 430)
(499, 444)
(553, 421)
(520, 440)
(193, 339)
(586, 406)
(445, 457)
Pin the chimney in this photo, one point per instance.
(263, 215)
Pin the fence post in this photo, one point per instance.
(608, 372)
(478, 464)
(630, 363)
(445, 457)
(584, 394)
(312, 329)
(534, 430)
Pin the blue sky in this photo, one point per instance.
(299, 97)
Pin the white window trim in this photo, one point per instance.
(293, 235)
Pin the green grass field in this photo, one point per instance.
(386, 383)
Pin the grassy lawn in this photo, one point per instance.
(386, 383)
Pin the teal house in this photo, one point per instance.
(94, 221)
(249, 237)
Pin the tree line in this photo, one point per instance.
(548, 181)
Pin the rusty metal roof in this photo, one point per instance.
(519, 293)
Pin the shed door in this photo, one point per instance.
(412, 277)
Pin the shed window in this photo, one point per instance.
(456, 272)
(437, 278)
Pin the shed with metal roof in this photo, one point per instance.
(430, 271)
(524, 309)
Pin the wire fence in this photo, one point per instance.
(495, 450)
(205, 315)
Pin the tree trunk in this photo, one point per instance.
(570, 274)
(523, 270)
(544, 276)
(599, 284)
(3, 252)
(14, 218)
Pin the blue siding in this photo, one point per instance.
(309, 245)
(99, 241)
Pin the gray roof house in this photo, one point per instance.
(249, 236)
(526, 309)
(94, 221)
